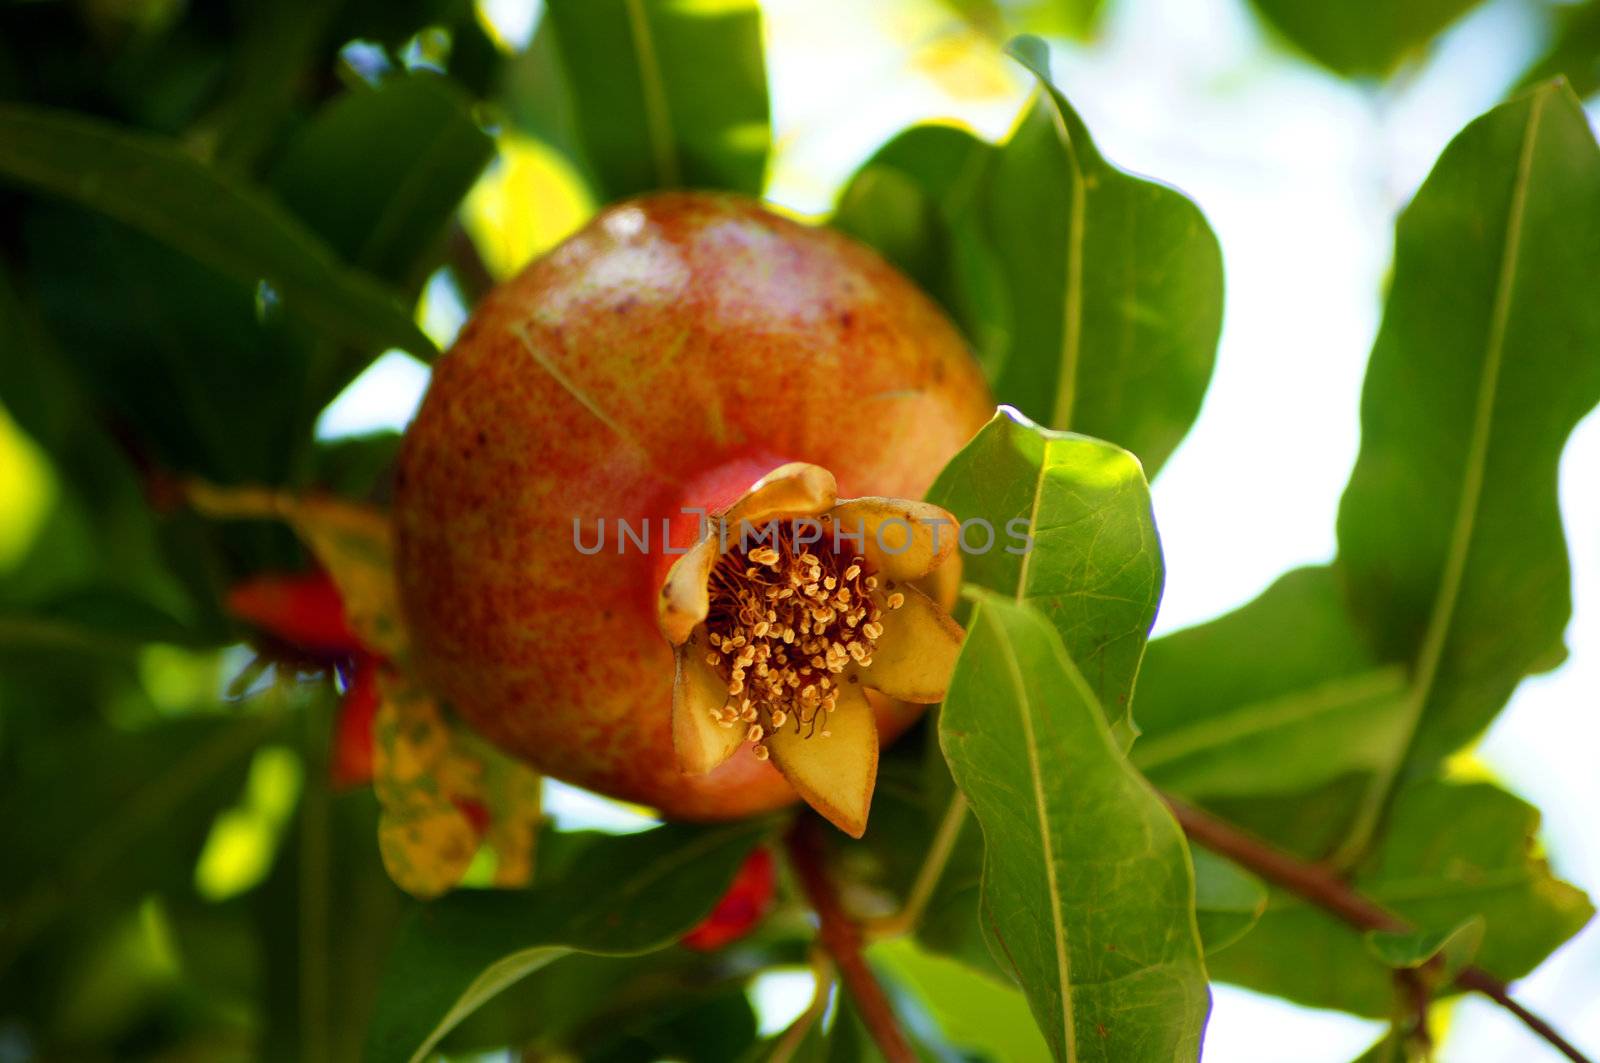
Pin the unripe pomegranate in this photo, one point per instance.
(689, 352)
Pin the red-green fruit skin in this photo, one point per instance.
(664, 356)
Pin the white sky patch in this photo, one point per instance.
(570, 808)
(780, 996)
(385, 396)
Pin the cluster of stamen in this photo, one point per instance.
(786, 619)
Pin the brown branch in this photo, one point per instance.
(841, 937)
(1478, 979)
(1334, 895)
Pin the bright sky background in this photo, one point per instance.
(1301, 176)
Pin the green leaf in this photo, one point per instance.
(1094, 567)
(1574, 51)
(379, 172)
(975, 1012)
(1228, 901)
(1452, 853)
(919, 202)
(133, 820)
(1093, 298)
(175, 351)
(666, 93)
(621, 895)
(1088, 898)
(1361, 37)
(585, 1002)
(1279, 696)
(1409, 950)
(1115, 283)
(1450, 531)
(152, 185)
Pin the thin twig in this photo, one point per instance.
(922, 887)
(841, 937)
(1332, 894)
(1478, 979)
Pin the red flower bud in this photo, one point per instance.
(303, 609)
(351, 763)
(741, 908)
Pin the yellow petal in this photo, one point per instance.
(943, 584)
(903, 540)
(793, 490)
(916, 653)
(699, 741)
(835, 774)
(684, 599)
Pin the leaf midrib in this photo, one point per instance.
(1436, 635)
(1072, 300)
(1260, 717)
(653, 93)
(1057, 920)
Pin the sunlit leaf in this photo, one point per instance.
(1069, 529)
(1093, 298)
(1088, 898)
(1410, 950)
(1450, 853)
(1277, 697)
(1228, 901)
(975, 1012)
(1450, 531)
(621, 895)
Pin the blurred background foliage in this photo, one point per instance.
(214, 217)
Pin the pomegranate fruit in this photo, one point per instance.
(570, 498)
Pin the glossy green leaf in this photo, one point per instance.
(666, 93)
(1088, 899)
(620, 895)
(154, 186)
(1411, 949)
(1073, 535)
(1277, 697)
(1115, 282)
(379, 172)
(1450, 532)
(1451, 853)
(1093, 298)
(1228, 901)
(1359, 37)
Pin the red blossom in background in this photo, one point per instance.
(741, 909)
(306, 611)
